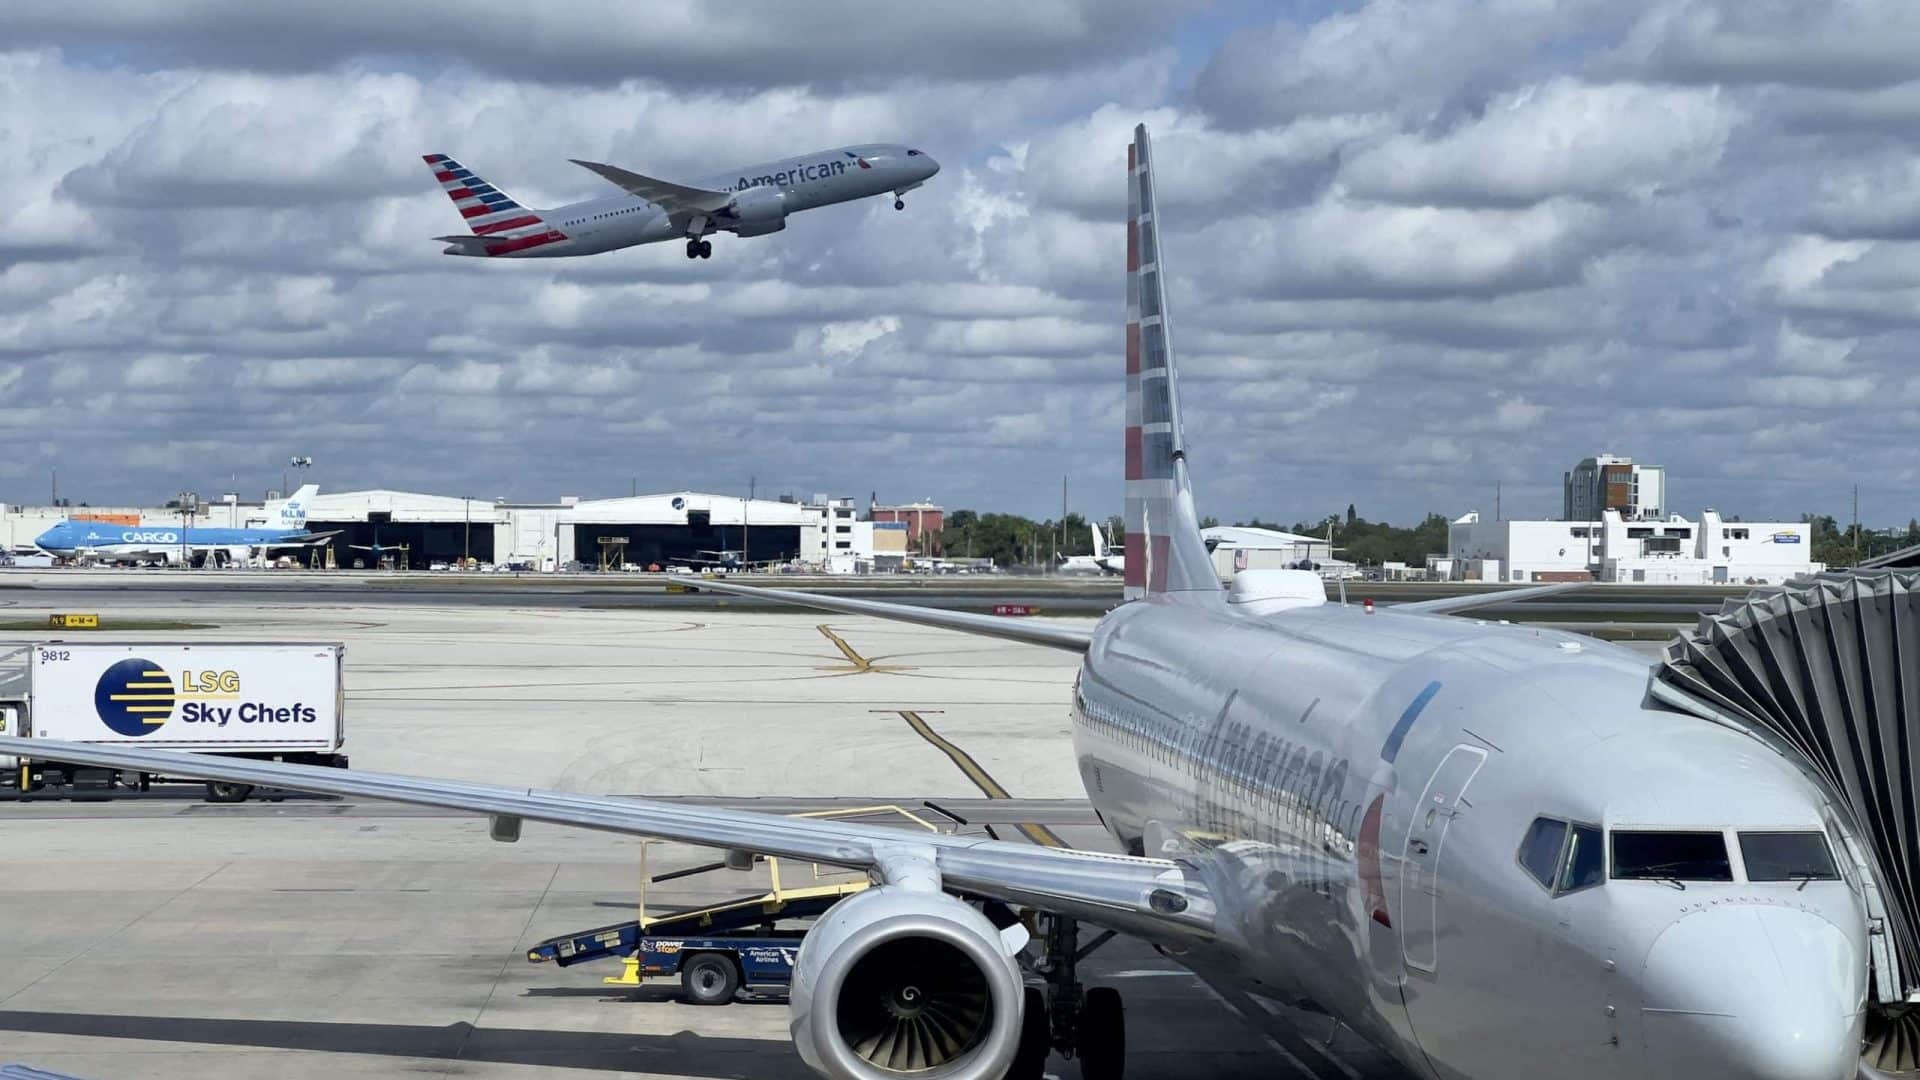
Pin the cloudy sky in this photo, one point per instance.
(1418, 248)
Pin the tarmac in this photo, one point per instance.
(160, 936)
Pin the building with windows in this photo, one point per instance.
(923, 520)
(1606, 482)
(1617, 548)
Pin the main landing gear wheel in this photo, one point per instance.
(1101, 1036)
(899, 204)
(709, 979)
(1086, 1024)
(1036, 1039)
(706, 249)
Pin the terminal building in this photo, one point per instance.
(1673, 551)
(1617, 529)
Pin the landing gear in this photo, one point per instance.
(899, 204)
(1102, 1035)
(706, 249)
(1088, 1024)
(699, 249)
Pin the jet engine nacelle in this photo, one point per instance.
(758, 211)
(896, 982)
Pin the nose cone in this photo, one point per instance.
(51, 540)
(928, 166)
(1756, 993)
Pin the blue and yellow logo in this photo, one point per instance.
(134, 697)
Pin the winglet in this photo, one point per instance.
(1165, 554)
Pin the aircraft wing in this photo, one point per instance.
(671, 197)
(1053, 635)
(297, 540)
(1448, 605)
(1156, 899)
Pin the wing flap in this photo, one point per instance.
(1022, 629)
(669, 196)
(1153, 898)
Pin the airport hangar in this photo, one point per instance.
(643, 530)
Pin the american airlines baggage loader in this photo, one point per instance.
(271, 701)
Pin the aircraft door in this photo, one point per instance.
(1419, 879)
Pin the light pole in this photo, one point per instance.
(295, 462)
(189, 502)
(466, 536)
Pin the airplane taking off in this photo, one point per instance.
(1484, 847)
(169, 544)
(751, 201)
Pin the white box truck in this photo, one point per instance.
(269, 701)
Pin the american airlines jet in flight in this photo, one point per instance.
(1482, 846)
(751, 201)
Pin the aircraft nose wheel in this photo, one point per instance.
(899, 204)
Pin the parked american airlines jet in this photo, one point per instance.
(751, 201)
(1484, 847)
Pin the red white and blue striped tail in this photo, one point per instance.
(1165, 553)
(505, 226)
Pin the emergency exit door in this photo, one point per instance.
(1420, 895)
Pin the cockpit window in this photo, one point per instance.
(1540, 851)
(1787, 856)
(913, 153)
(1586, 863)
(1670, 856)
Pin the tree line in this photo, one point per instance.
(1013, 540)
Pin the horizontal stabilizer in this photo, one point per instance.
(1449, 605)
(669, 196)
(1052, 635)
(468, 245)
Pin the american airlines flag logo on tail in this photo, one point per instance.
(1164, 552)
(489, 211)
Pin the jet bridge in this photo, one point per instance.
(1828, 669)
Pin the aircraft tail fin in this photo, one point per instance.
(1099, 540)
(1165, 555)
(293, 511)
(488, 210)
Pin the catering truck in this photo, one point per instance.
(267, 701)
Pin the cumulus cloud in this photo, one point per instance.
(1564, 137)
(746, 43)
(1852, 44)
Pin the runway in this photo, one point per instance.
(159, 936)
